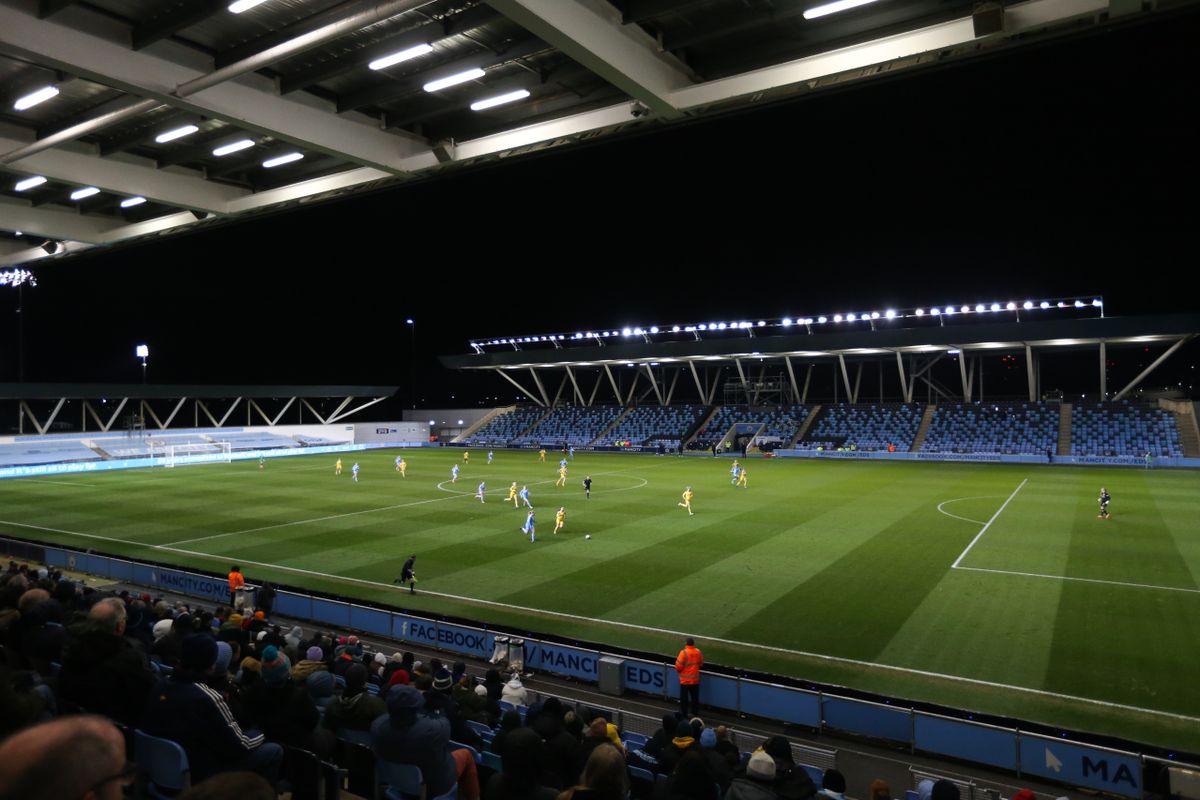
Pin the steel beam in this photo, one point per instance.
(304, 404)
(1153, 366)
(339, 417)
(174, 20)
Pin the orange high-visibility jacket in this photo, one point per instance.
(236, 581)
(688, 665)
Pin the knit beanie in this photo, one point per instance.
(161, 628)
(224, 654)
(314, 654)
(199, 652)
(442, 681)
(320, 684)
(761, 766)
(275, 666)
(708, 739)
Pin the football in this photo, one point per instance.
(587, 536)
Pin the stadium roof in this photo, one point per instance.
(151, 391)
(285, 77)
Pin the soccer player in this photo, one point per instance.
(491, 455)
(398, 460)
(454, 473)
(524, 493)
(528, 526)
(466, 457)
(687, 501)
(261, 462)
(560, 517)
(1105, 499)
(571, 452)
(1149, 459)
(542, 455)
(407, 575)
(354, 471)
(733, 472)
(403, 465)
(562, 464)
(479, 492)
(562, 477)
(337, 468)
(741, 481)
(587, 487)
(512, 494)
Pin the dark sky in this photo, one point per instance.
(1043, 171)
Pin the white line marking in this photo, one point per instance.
(959, 500)
(988, 524)
(223, 559)
(58, 483)
(1084, 580)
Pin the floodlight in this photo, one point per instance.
(84, 193)
(402, 55)
(408, 322)
(702, 326)
(281, 160)
(979, 308)
(937, 312)
(1011, 306)
(920, 312)
(499, 100)
(431, 422)
(822, 320)
(995, 306)
(833, 8)
(233, 147)
(890, 314)
(689, 328)
(674, 329)
(239, 6)
(787, 322)
(130, 202)
(142, 351)
(654, 329)
(837, 317)
(965, 309)
(721, 325)
(637, 331)
(626, 332)
(1045, 304)
(1028, 304)
(33, 98)
(29, 183)
(454, 80)
(1079, 304)
(761, 323)
(1061, 304)
(954, 352)
(1098, 303)
(951, 310)
(851, 317)
(176, 133)
(460, 422)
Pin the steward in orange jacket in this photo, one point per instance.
(688, 666)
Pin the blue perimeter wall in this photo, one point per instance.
(992, 458)
(1062, 760)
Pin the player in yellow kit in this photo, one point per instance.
(402, 467)
(741, 481)
(687, 501)
(512, 494)
(466, 457)
(542, 455)
(337, 468)
(562, 477)
(560, 517)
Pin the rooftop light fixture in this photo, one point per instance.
(238, 6)
(33, 98)
(279, 161)
(86, 192)
(29, 183)
(454, 80)
(130, 202)
(499, 100)
(233, 147)
(402, 55)
(826, 9)
(176, 133)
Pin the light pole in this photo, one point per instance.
(412, 360)
(143, 352)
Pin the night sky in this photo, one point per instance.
(1043, 171)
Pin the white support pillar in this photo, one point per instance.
(596, 389)
(857, 383)
(174, 411)
(742, 376)
(279, 416)
(787, 361)
(905, 388)
(712, 389)
(654, 384)
(613, 381)
(338, 417)
(230, 411)
(633, 387)
(575, 384)
(696, 377)
(303, 404)
(671, 390)
(1029, 374)
(807, 378)
(504, 374)
(845, 377)
(1103, 373)
(27, 411)
(144, 407)
(962, 371)
(558, 394)
(334, 415)
(253, 405)
(541, 389)
(1142, 376)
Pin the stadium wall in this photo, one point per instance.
(991, 458)
(1058, 758)
(392, 432)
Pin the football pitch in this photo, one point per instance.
(988, 587)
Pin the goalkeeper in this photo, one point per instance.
(407, 575)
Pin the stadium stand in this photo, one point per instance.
(26, 453)
(1123, 428)
(505, 427)
(650, 425)
(865, 427)
(575, 425)
(778, 423)
(251, 440)
(138, 447)
(1012, 428)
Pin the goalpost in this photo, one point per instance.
(210, 453)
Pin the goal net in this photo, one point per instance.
(208, 453)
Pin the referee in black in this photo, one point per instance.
(407, 575)
(587, 487)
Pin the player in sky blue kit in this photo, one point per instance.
(479, 492)
(571, 451)
(454, 474)
(524, 494)
(528, 526)
(354, 471)
(491, 455)
(562, 464)
(733, 472)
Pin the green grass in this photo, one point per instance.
(832, 571)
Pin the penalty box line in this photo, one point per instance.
(647, 628)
